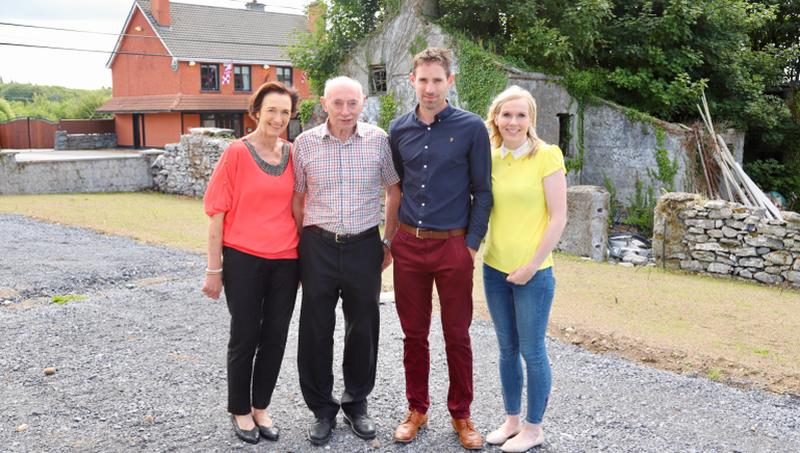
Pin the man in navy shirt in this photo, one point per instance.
(443, 157)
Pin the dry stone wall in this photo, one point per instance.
(185, 168)
(65, 141)
(721, 238)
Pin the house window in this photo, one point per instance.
(209, 77)
(241, 78)
(223, 120)
(377, 79)
(284, 75)
(564, 132)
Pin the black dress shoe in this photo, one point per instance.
(361, 424)
(269, 432)
(250, 436)
(320, 432)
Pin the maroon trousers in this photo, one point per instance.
(418, 263)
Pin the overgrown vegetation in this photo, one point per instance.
(771, 175)
(50, 102)
(387, 112)
(480, 77)
(339, 28)
(615, 207)
(306, 109)
(640, 211)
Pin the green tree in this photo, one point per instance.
(6, 112)
(338, 30)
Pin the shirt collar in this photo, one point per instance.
(441, 116)
(325, 132)
(515, 153)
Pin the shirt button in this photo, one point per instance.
(419, 223)
(423, 204)
(424, 166)
(423, 186)
(426, 146)
(429, 128)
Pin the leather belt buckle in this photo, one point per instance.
(336, 238)
(416, 234)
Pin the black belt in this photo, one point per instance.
(341, 238)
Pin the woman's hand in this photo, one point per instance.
(522, 275)
(213, 285)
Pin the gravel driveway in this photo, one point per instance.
(140, 366)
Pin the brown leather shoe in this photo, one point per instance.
(407, 431)
(470, 438)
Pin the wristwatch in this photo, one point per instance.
(387, 243)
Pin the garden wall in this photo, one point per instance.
(716, 237)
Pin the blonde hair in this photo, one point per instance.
(513, 93)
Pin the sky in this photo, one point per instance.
(77, 69)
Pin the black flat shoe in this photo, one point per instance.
(362, 425)
(320, 432)
(269, 432)
(249, 436)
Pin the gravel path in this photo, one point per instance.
(141, 367)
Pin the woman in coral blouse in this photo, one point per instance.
(252, 252)
(527, 219)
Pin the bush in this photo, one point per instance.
(771, 175)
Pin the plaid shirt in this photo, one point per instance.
(343, 180)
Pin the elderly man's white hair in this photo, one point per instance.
(342, 80)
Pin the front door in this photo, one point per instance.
(138, 130)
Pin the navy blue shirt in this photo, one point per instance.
(445, 170)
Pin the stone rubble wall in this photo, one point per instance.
(717, 237)
(65, 141)
(185, 168)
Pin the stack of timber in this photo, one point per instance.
(724, 177)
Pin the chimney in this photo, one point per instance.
(160, 10)
(254, 6)
(315, 11)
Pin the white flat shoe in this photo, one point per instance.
(514, 445)
(498, 437)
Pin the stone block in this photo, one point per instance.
(763, 241)
(715, 204)
(745, 273)
(586, 232)
(777, 231)
(719, 268)
(724, 213)
(706, 224)
(792, 276)
(704, 256)
(729, 232)
(692, 265)
(757, 263)
(764, 277)
(708, 246)
(716, 234)
(779, 257)
(744, 251)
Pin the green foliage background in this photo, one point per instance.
(50, 102)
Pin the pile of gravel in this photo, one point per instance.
(140, 365)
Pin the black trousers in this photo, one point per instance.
(330, 270)
(261, 294)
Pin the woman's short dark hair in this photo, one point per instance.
(271, 87)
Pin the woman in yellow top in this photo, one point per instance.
(528, 216)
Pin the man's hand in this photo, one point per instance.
(213, 285)
(472, 253)
(522, 275)
(387, 258)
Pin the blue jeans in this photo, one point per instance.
(519, 314)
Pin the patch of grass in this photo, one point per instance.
(715, 374)
(67, 298)
(761, 352)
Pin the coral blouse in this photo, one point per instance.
(257, 204)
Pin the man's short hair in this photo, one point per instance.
(434, 55)
(342, 80)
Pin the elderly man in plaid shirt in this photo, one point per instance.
(340, 167)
